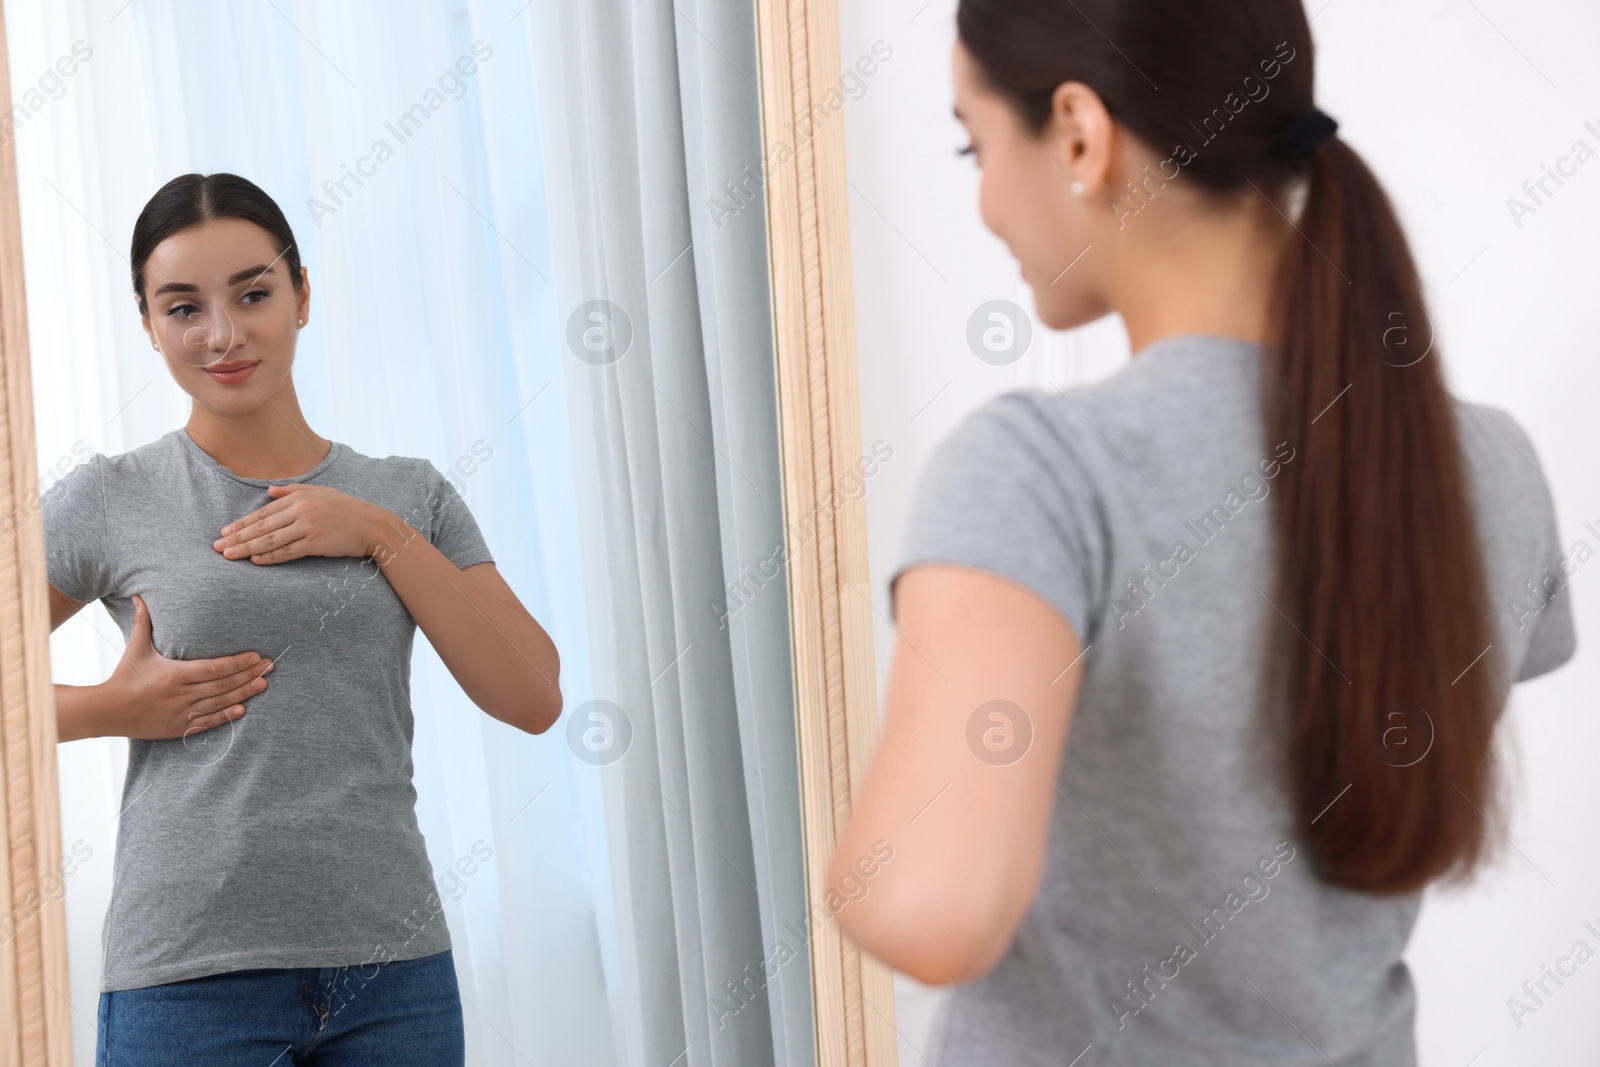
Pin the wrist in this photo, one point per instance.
(84, 711)
(386, 535)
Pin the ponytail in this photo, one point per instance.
(1392, 681)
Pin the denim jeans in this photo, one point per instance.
(405, 1013)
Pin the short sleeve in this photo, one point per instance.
(451, 527)
(77, 560)
(1007, 491)
(1552, 641)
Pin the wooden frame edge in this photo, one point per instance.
(35, 1013)
(830, 591)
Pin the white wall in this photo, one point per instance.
(1455, 104)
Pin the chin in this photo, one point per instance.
(1058, 314)
(1053, 318)
(1063, 309)
(238, 399)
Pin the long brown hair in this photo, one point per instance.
(1393, 686)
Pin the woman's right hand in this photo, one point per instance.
(159, 698)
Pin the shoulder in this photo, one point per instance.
(1493, 433)
(1031, 431)
(1010, 418)
(407, 483)
(65, 493)
(416, 490)
(1503, 463)
(1025, 454)
(1514, 505)
(150, 462)
(153, 460)
(394, 472)
(1014, 489)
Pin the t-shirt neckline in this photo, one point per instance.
(1194, 340)
(334, 452)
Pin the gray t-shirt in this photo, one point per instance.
(288, 837)
(1171, 828)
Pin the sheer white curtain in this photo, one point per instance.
(642, 902)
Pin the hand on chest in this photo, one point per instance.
(203, 604)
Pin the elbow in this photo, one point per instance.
(949, 971)
(942, 952)
(545, 715)
(531, 716)
(937, 935)
(537, 716)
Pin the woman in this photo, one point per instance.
(1273, 575)
(272, 897)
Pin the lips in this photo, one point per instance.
(233, 372)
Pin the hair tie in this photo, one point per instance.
(1302, 133)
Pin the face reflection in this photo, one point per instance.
(223, 312)
(1025, 197)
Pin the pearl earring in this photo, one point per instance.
(1077, 187)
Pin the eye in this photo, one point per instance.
(967, 151)
(176, 308)
(262, 293)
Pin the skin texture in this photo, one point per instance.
(501, 657)
(969, 837)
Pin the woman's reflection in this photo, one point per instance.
(272, 890)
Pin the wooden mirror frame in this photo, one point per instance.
(35, 1009)
(829, 588)
(830, 591)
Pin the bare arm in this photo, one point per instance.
(966, 810)
(498, 653)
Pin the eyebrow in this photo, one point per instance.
(234, 279)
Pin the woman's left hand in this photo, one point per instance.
(305, 520)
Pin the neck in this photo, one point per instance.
(272, 441)
(1211, 275)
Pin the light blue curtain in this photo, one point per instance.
(645, 906)
(651, 113)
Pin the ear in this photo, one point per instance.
(1084, 133)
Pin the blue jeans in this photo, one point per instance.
(405, 1013)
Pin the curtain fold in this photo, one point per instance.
(648, 109)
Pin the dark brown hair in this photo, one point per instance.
(1381, 677)
(191, 199)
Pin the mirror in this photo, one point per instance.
(537, 347)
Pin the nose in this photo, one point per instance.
(214, 332)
